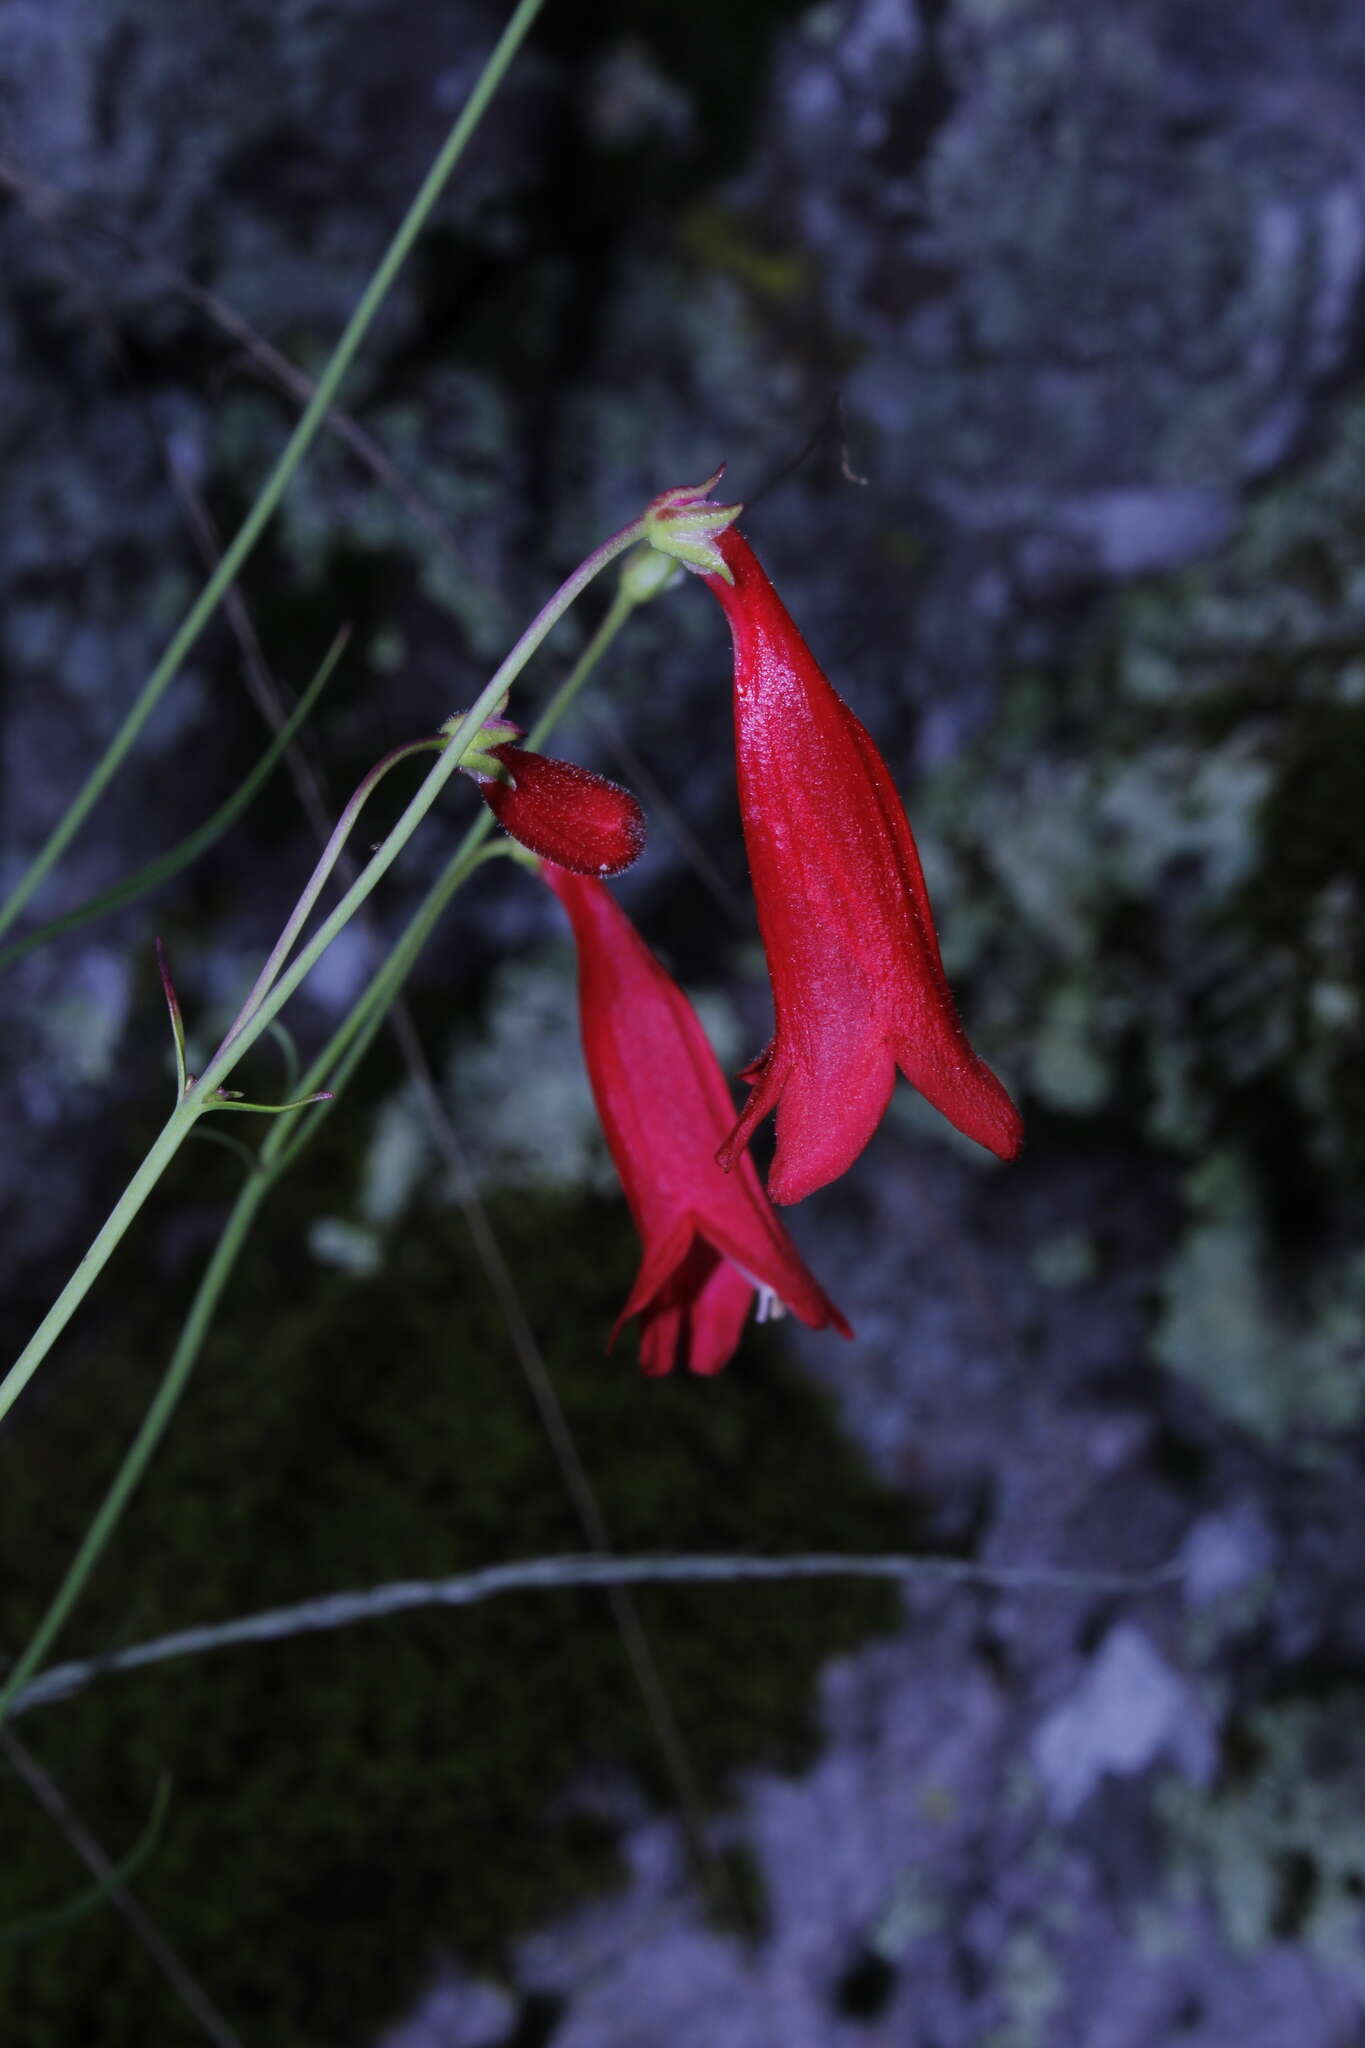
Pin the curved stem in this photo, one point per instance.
(167, 864)
(283, 1143)
(343, 1052)
(617, 612)
(372, 298)
(353, 1038)
(199, 1096)
(149, 1435)
(327, 860)
(167, 1143)
(489, 698)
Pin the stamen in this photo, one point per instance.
(769, 1307)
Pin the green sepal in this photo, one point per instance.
(684, 523)
(496, 731)
(473, 761)
(228, 1098)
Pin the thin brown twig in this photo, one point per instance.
(55, 1805)
(643, 782)
(53, 209)
(710, 1872)
(639, 1654)
(50, 206)
(296, 385)
(262, 687)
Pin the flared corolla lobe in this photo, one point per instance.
(710, 1238)
(857, 980)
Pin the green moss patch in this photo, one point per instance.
(349, 1807)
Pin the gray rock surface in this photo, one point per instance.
(1071, 304)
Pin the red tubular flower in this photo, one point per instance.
(710, 1238)
(858, 984)
(564, 813)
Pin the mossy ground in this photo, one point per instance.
(349, 1807)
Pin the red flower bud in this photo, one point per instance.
(858, 985)
(565, 813)
(710, 1238)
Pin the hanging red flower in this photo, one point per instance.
(858, 984)
(711, 1239)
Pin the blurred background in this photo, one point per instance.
(1034, 333)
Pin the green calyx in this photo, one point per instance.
(684, 524)
(485, 767)
(478, 758)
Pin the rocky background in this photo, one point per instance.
(1034, 333)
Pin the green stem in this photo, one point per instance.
(353, 1037)
(343, 1052)
(172, 1135)
(153, 1427)
(618, 611)
(160, 870)
(247, 1030)
(334, 1064)
(317, 881)
(372, 298)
